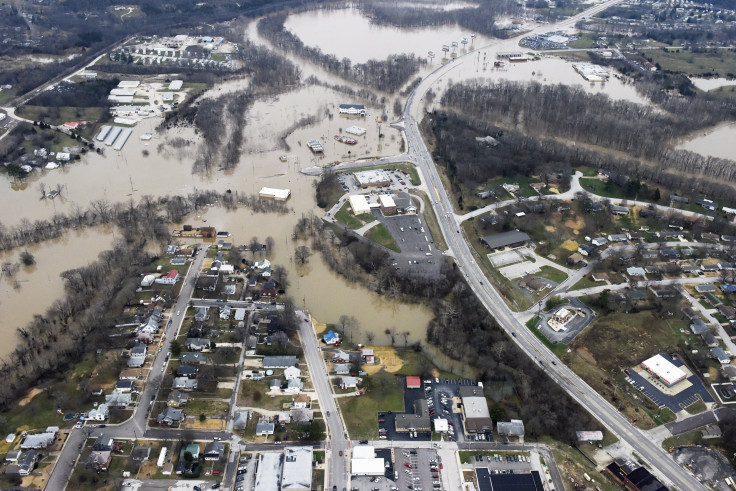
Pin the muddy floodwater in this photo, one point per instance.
(708, 84)
(352, 35)
(34, 288)
(715, 143)
(313, 285)
(276, 127)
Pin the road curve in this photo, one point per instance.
(666, 468)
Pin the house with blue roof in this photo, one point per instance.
(331, 337)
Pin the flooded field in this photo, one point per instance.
(716, 143)
(708, 84)
(351, 35)
(34, 288)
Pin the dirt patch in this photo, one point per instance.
(570, 245)
(575, 225)
(319, 327)
(29, 397)
(207, 424)
(549, 228)
(386, 358)
(553, 190)
(586, 355)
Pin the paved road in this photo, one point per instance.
(337, 451)
(661, 463)
(136, 426)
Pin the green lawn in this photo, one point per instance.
(523, 181)
(346, 216)
(558, 349)
(59, 115)
(412, 171)
(584, 42)
(586, 282)
(602, 188)
(381, 236)
(696, 407)
(254, 394)
(360, 413)
(552, 274)
(682, 61)
(693, 437)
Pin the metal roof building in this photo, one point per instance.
(359, 204)
(297, 474)
(268, 476)
(512, 238)
(663, 369)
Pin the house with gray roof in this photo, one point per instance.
(698, 326)
(515, 427)
(512, 238)
(198, 344)
(264, 429)
(184, 383)
(279, 361)
(170, 416)
(214, 450)
(177, 398)
(720, 355)
(118, 400)
(137, 356)
(193, 358)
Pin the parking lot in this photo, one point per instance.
(574, 327)
(418, 469)
(501, 464)
(411, 233)
(441, 394)
(246, 474)
(676, 402)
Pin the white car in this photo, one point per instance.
(78, 425)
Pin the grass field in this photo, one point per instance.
(688, 63)
(558, 349)
(59, 115)
(381, 236)
(552, 274)
(601, 188)
(584, 42)
(255, 394)
(360, 413)
(696, 407)
(346, 216)
(573, 465)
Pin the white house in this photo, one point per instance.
(169, 278)
(292, 373)
(100, 413)
(348, 383)
(294, 386)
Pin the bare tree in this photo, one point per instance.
(302, 253)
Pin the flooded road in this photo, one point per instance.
(715, 143)
(34, 288)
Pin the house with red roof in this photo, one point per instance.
(169, 278)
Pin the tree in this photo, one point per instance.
(27, 258)
(175, 347)
(301, 254)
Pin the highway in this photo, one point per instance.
(663, 466)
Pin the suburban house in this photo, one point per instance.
(264, 429)
(184, 383)
(341, 368)
(214, 451)
(294, 386)
(177, 399)
(26, 462)
(144, 337)
(198, 344)
(124, 386)
(348, 382)
(169, 278)
(331, 337)
(137, 356)
(40, 440)
(170, 416)
(99, 460)
(301, 415)
(279, 361)
(720, 355)
(118, 400)
(100, 413)
(193, 358)
(186, 371)
(341, 357)
(300, 400)
(292, 373)
(368, 356)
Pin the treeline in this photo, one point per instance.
(269, 72)
(462, 329)
(89, 93)
(557, 113)
(167, 210)
(480, 18)
(388, 75)
(74, 324)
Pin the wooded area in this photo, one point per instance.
(535, 126)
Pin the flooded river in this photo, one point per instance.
(129, 174)
(716, 143)
(34, 288)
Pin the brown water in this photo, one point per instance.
(351, 35)
(33, 289)
(715, 143)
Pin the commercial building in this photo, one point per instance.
(275, 194)
(476, 416)
(268, 476)
(417, 421)
(388, 207)
(413, 382)
(515, 427)
(355, 130)
(358, 109)
(365, 463)
(315, 146)
(297, 475)
(359, 204)
(372, 178)
(663, 369)
(512, 238)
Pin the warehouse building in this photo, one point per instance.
(365, 463)
(268, 476)
(297, 475)
(663, 369)
(476, 416)
(512, 238)
(358, 109)
(372, 178)
(359, 204)
(275, 194)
